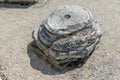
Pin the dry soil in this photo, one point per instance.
(17, 24)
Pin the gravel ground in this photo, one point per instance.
(17, 24)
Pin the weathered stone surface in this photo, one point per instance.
(68, 36)
(18, 0)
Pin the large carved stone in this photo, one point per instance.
(68, 37)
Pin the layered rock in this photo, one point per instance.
(67, 37)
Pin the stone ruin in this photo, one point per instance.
(67, 38)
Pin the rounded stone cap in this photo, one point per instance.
(67, 19)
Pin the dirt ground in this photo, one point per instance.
(17, 24)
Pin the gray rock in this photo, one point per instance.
(18, 1)
(67, 37)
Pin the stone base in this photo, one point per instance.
(61, 65)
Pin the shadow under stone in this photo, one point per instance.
(16, 5)
(39, 64)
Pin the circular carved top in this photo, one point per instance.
(67, 19)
